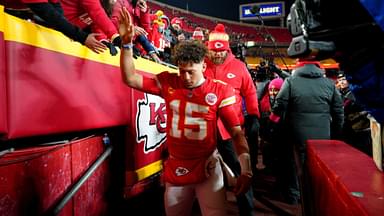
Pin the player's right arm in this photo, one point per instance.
(241, 146)
(232, 123)
(127, 66)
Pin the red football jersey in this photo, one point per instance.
(192, 115)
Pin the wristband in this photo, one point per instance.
(127, 46)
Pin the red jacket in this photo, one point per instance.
(265, 104)
(235, 73)
(83, 13)
(140, 18)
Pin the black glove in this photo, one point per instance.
(136, 52)
(251, 125)
(117, 41)
(111, 47)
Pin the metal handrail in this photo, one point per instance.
(68, 196)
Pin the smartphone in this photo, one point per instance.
(141, 3)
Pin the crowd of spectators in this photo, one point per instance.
(94, 24)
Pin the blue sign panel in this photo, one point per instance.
(266, 10)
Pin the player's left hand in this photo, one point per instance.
(244, 182)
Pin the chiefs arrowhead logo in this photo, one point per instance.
(151, 122)
(231, 75)
(180, 171)
(218, 45)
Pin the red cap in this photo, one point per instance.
(177, 20)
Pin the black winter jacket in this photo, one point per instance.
(311, 104)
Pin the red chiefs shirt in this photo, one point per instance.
(192, 115)
(158, 39)
(235, 73)
(86, 12)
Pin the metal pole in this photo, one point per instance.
(4, 152)
(80, 182)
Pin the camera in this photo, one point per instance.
(322, 27)
(352, 33)
(239, 50)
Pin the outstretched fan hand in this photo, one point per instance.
(126, 28)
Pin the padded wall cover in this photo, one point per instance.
(3, 95)
(33, 180)
(55, 85)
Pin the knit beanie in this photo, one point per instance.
(178, 21)
(276, 83)
(159, 13)
(218, 39)
(165, 20)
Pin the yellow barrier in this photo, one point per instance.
(22, 31)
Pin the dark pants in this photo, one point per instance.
(146, 44)
(244, 201)
(288, 162)
(287, 178)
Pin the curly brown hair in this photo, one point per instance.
(189, 51)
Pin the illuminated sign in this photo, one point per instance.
(268, 10)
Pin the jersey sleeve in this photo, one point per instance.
(228, 117)
(228, 96)
(165, 79)
(151, 85)
(227, 108)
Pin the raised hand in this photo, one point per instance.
(126, 28)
